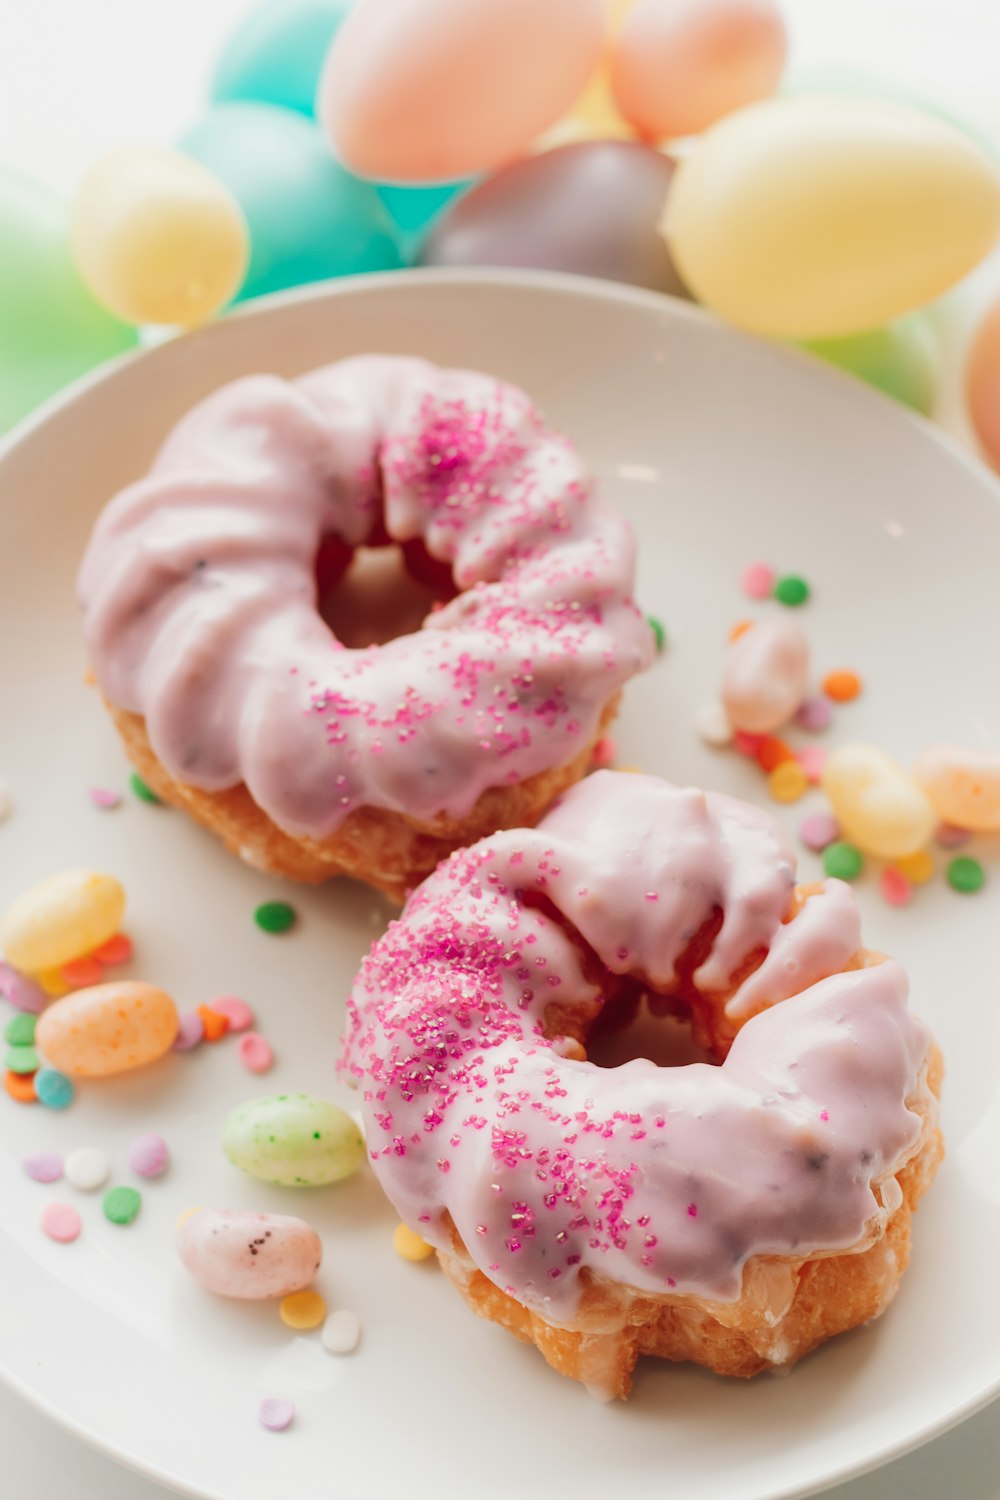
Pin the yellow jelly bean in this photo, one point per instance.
(302, 1310)
(109, 1028)
(69, 914)
(408, 1244)
(878, 806)
(158, 238)
(813, 217)
(963, 786)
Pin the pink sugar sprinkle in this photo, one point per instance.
(896, 889)
(818, 830)
(758, 580)
(812, 759)
(824, 1115)
(692, 1210)
(814, 715)
(61, 1222)
(104, 797)
(254, 1052)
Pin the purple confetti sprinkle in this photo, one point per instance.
(276, 1413)
(814, 715)
(148, 1155)
(43, 1166)
(23, 993)
(190, 1031)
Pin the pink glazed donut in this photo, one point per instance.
(734, 1215)
(236, 700)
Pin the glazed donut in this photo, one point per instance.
(734, 1215)
(236, 701)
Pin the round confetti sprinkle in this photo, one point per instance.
(814, 715)
(895, 887)
(53, 1089)
(87, 1168)
(791, 590)
(409, 1245)
(21, 992)
(121, 1204)
(950, 836)
(215, 1024)
(966, 875)
(712, 723)
(758, 580)
(772, 751)
(237, 1012)
(659, 633)
(190, 1031)
(20, 1030)
(275, 916)
(6, 800)
(842, 861)
(148, 1155)
(740, 628)
(603, 753)
(80, 973)
(21, 1087)
(812, 759)
(22, 1060)
(142, 791)
(276, 1413)
(61, 1222)
(819, 830)
(103, 797)
(302, 1310)
(787, 782)
(842, 686)
(745, 743)
(43, 1166)
(918, 868)
(341, 1332)
(255, 1053)
(117, 950)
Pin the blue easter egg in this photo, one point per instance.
(309, 218)
(276, 54)
(414, 208)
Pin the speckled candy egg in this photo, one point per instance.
(295, 1140)
(591, 208)
(106, 1029)
(429, 90)
(235, 1252)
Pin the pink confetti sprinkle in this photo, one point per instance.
(237, 1012)
(818, 830)
(254, 1052)
(812, 759)
(824, 1115)
(950, 836)
(896, 889)
(604, 753)
(148, 1155)
(61, 1222)
(814, 715)
(43, 1166)
(104, 797)
(747, 744)
(758, 580)
(190, 1031)
(21, 992)
(276, 1413)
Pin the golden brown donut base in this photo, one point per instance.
(391, 852)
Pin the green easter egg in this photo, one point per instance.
(294, 1140)
(276, 53)
(899, 359)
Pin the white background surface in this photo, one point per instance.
(78, 76)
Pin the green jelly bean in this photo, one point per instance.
(295, 1140)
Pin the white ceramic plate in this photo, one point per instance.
(721, 450)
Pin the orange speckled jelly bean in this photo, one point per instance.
(109, 1028)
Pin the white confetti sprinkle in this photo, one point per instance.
(87, 1168)
(341, 1331)
(712, 723)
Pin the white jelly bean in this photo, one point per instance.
(108, 1028)
(962, 786)
(765, 675)
(878, 805)
(69, 914)
(235, 1252)
(293, 1139)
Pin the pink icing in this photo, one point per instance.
(199, 594)
(664, 1179)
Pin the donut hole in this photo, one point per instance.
(372, 594)
(665, 1039)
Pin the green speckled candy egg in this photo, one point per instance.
(295, 1140)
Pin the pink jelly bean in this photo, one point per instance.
(949, 836)
(148, 1155)
(190, 1031)
(21, 992)
(812, 759)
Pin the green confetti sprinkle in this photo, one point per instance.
(142, 791)
(22, 1060)
(842, 861)
(275, 916)
(791, 590)
(966, 875)
(20, 1030)
(121, 1204)
(659, 633)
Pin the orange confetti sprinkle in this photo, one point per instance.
(773, 752)
(842, 686)
(79, 973)
(216, 1025)
(21, 1086)
(740, 628)
(117, 950)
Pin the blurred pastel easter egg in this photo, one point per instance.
(680, 65)
(51, 327)
(812, 218)
(432, 90)
(982, 383)
(900, 360)
(275, 54)
(591, 208)
(107, 1029)
(414, 209)
(309, 219)
(962, 786)
(157, 238)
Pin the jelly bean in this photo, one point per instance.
(819, 830)
(879, 807)
(61, 918)
(235, 1252)
(899, 360)
(842, 861)
(117, 950)
(275, 917)
(104, 798)
(950, 836)
(302, 1310)
(43, 1166)
(20, 1030)
(982, 383)
(963, 786)
(421, 90)
(51, 981)
(142, 791)
(787, 782)
(765, 675)
(591, 208)
(918, 868)
(149, 1155)
(237, 1012)
(214, 1023)
(798, 217)
(814, 715)
(21, 1060)
(51, 328)
(293, 1139)
(53, 1089)
(408, 1245)
(107, 1029)
(157, 238)
(309, 219)
(341, 1332)
(842, 686)
(772, 752)
(275, 54)
(190, 1031)
(812, 759)
(680, 65)
(80, 972)
(254, 1052)
(966, 875)
(791, 590)
(896, 889)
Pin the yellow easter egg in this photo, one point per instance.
(158, 238)
(816, 217)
